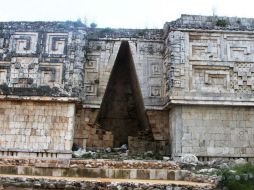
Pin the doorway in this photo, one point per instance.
(122, 110)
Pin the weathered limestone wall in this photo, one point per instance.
(212, 131)
(209, 61)
(39, 61)
(87, 133)
(36, 129)
(159, 122)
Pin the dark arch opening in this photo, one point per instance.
(122, 110)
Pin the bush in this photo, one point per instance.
(93, 25)
(238, 178)
(221, 23)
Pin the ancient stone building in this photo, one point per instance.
(187, 88)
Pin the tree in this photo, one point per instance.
(93, 25)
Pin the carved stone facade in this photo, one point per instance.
(196, 79)
(40, 62)
(45, 57)
(207, 65)
(147, 55)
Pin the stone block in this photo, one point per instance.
(143, 174)
(133, 173)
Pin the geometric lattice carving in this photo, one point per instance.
(242, 77)
(56, 43)
(24, 42)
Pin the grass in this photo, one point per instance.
(238, 178)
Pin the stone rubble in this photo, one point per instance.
(90, 163)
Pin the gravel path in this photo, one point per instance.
(163, 182)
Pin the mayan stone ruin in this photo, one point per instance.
(184, 89)
(88, 108)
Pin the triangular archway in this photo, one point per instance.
(122, 110)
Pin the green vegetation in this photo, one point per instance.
(141, 32)
(238, 178)
(221, 23)
(93, 25)
(106, 30)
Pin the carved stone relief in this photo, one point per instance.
(155, 69)
(155, 91)
(50, 74)
(204, 47)
(90, 89)
(176, 75)
(239, 47)
(211, 79)
(97, 46)
(24, 42)
(176, 42)
(91, 65)
(24, 71)
(56, 43)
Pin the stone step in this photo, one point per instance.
(45, 182)
(147, 174)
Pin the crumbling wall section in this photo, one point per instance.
(87, 132)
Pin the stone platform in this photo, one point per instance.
(90, 173)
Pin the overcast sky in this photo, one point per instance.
(120, 13)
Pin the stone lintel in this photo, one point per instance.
(35, 150)
(178, 155)
(210, 31)
(211, 102)
(96, 106)
(39, 98)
